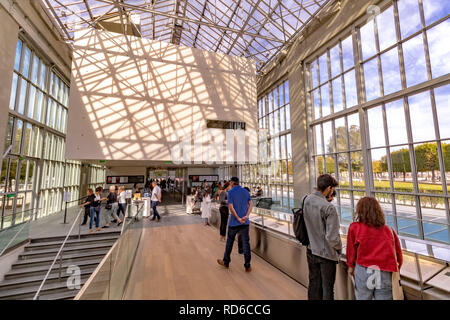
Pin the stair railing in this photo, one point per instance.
(20, 229)
(59, 255)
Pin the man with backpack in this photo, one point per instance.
(322, 225)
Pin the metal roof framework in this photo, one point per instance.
(256, 29)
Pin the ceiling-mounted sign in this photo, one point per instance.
(124, 179)
(200, 178)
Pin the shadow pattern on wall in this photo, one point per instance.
(130, 95)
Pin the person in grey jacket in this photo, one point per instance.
(322, 225)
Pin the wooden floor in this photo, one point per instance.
(179, 262)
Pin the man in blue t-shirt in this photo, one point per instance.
(240, 205)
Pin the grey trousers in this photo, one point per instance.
(112, 213)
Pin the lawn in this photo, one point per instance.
(399, 186)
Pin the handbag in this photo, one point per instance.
(397, 289)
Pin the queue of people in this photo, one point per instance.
(116, 204)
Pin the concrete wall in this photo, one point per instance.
(125, 104)
(334, 20)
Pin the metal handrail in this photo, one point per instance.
(19, 231)
(36, 296)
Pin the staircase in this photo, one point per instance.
(26, 274)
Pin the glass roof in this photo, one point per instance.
(256, 29)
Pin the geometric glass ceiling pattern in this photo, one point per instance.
(256, 29)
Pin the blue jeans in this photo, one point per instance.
(95, 210)
(372, 283)
(243, 232)
(122, 207)
(155, 212)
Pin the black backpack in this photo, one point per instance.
(299, 224)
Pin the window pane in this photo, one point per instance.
(26, 62)
(316, 104)
(371, 80)
(435, 10)
(277, 148)
(357, 170)
(409, 14)
(276, 118)
(281, 94)
(31, 101)
(386, 28)
(351, 99)
(446, 152)
(288, 117)
(368, 46)
(338, 103)
(9, 132)
(344, 181)
(422, 124)
(12, 175)
(275, 99)
(347, 53)
(428, 168)
(380, 169)
(270, 102)
(283, 147)
(415, 66)
(439, 49)
(315, 79)
(330, 166)
(318, 136)
(328, 137)
(27, 139)
(406, 215)
(341, 135)
(323, 68)
(34, 72)
(22, 96)
(325, 94)
(271, 124)
(376, 127)
(354, 131)
(58, 118)
(286, 91)
(282, 120)
(18, 136)
(335, 61)
(12, 99)
(38, 115)
(42, 76)
(63, 120)
(289, 148)
(395, 117)
(391, 72)
(401, 169)
(442, 97)
(18, 54)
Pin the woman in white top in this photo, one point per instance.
(122, 202)
(206, 206)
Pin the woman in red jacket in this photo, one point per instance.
(373, 252)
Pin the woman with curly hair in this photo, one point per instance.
(373, 252)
